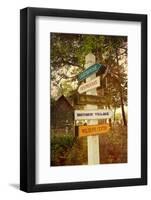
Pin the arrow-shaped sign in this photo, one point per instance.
(89, 71)
(89, 85)
(93, 130)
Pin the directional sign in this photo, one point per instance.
(89, 85)
(92, 130)
(92, 114)
(89, 99)
(89, 71)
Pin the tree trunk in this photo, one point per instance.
(121, 95)
(122, 108)
(110, 121)
(114, 113)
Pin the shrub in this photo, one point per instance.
(60, 144)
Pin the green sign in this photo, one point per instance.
(89, 71)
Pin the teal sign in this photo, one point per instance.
(89, 71)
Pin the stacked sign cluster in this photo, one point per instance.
(86, 130)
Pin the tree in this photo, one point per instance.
(68, 53)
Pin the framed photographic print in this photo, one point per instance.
(83, 99)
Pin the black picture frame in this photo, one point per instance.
(28, 99)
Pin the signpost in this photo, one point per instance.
(89, 85)
(92, 114)
(93, 140)
(92, 130)
(89, 71)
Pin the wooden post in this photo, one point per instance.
(92, 141)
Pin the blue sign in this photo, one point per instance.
(89, 71)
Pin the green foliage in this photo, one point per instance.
(60, 144)
(78, 153)
(68, 150)
(67, 88)
(62, 141)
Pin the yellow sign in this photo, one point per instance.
(93, 129)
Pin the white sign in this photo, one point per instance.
(92, 114)
(94, 83)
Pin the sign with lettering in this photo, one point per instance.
(92, 114)
(89, 71)
(89, 85)
(92, 130)
(89, 99)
